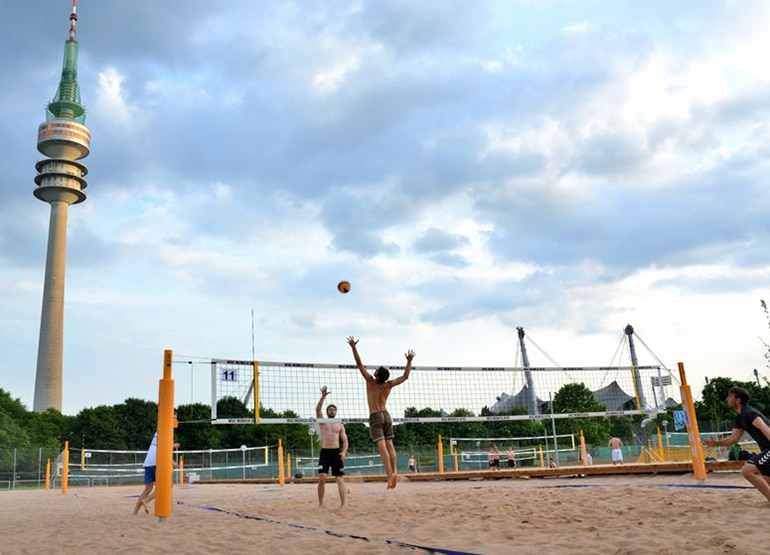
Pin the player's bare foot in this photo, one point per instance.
(146, 506)
(392, 481)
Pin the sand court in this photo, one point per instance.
(612, 514)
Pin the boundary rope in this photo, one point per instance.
(428, 549)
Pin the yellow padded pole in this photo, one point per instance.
(65, 470)
(661, 452)
(693, 435)
(165, 449)
(440, 455)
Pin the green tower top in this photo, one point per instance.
(66, 104)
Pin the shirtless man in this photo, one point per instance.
(511, 458)
(617, 453)
(331, 455)
(378, 389)
(494, 458)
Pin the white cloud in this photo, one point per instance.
(112, 104)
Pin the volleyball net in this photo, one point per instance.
(96, 467)
(455, 394)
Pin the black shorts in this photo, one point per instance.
(494, 463)
(511, 463)
(762, 462)
(331, 458)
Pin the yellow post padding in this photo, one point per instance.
(693, 435)
(440, 455)
(661, 452)
(164, 474)
(65, 469)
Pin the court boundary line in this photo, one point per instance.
(398, 543)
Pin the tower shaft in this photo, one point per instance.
(48, 381)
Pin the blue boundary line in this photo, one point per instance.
(439, 550)
(696, 486)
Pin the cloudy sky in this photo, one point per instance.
(470, 167)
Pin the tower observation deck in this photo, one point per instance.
(63, 139)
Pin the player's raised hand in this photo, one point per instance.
(352, 341)
(409, 355)
(324, 392)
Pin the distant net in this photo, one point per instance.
(462, 394)
(473, 452)
(108, 467)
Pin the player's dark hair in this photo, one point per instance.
(330, 406)
(382, 374)
(742, 394)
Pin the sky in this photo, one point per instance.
(470, 167)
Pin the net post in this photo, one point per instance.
(280, 462)
(693, 435)
(256, 393)
(583, 453)
(542, 461)
(214, 392)
(65, 471)
(288, 465)
(457, 464)
(440, 455)
(48, 474)
(181, 470)
(165, 448)
(636, 390)
(660, 447)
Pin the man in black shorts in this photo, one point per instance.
(331, 455)
(749, 420)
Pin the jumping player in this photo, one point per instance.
(749, 420)
(378, 389)
(331, 455)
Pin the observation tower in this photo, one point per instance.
(62, 139)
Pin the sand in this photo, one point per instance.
(609, 515)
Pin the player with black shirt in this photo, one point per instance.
(749, 420)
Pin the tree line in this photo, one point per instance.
(131, 424)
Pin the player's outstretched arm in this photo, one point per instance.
(352, 341)
(732, 439)
(319, 406)
(405, 376)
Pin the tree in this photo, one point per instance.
(13, 420)
(98, 428)
(712, 406)
(576, 397)
(195, 430)
(46, 429)
(137, 422)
